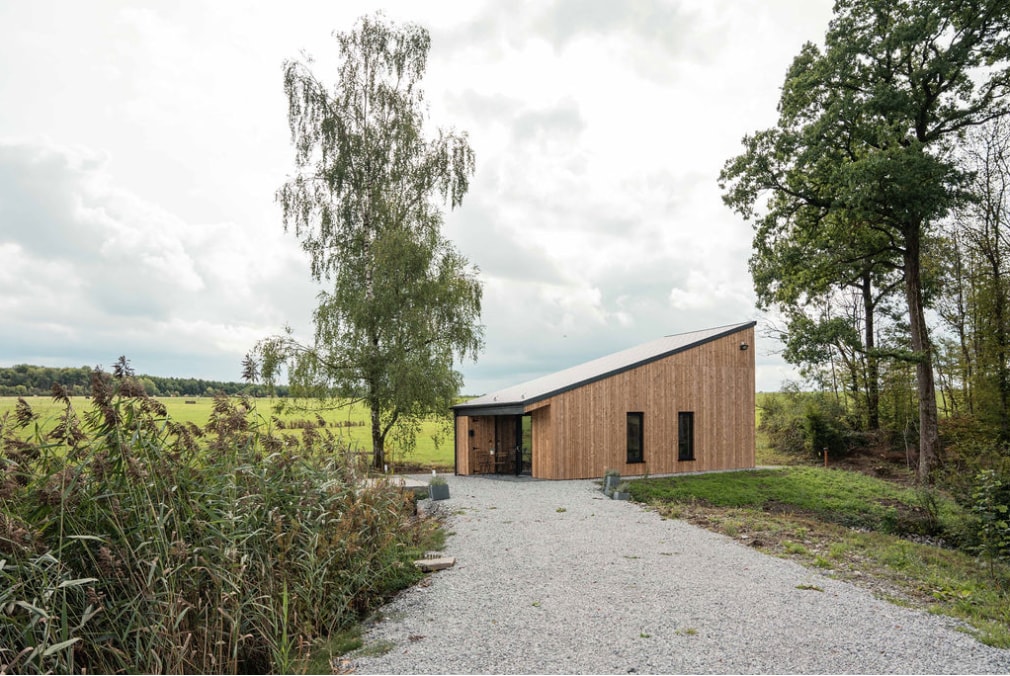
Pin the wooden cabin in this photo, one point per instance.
(682, 403)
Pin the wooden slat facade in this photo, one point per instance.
(464, 459)
(475, 437)
(582, 432)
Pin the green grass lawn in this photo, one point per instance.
(846, 498)
(349, 421)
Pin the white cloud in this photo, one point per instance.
(147, 225)
(94, 269)
(701, 292)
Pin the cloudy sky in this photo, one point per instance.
(141, 144)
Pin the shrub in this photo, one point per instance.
(991, 505)
(805, 423)
(780, 423)
(130, 543)
(970, 448)
(823, 429)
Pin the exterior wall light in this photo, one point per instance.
(743, 347)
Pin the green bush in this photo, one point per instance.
(130, 543)
(824, 429)
(990, 503)
(970, 448)
(780, 423)
(805, 423)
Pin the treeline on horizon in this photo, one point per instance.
(25, 380)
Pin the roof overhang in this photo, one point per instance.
(504, 409)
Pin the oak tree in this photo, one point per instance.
(866, 128)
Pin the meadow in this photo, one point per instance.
(349, 422)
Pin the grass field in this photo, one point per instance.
(350, 421)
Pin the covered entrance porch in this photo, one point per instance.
(496, 444)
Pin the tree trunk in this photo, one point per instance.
(1001, 339)
(967, 358)
(929, 439)
(872, 365)
(378, 440)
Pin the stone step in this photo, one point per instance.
(431, 565)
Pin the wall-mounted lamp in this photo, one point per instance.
(743, 347)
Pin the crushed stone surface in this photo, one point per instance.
(553, 577)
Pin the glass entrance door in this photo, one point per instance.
(525, 435)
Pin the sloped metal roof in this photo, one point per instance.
(511, 400)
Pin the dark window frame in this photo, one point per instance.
(639, 440)
(685, 436)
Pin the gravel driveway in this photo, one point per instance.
(551, 577)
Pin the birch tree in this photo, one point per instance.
(366, 201)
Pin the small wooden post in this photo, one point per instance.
(825, 456)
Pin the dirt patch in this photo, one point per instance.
(882, 460)
(878, 461)
(783, 508)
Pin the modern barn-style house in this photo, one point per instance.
(682, 403)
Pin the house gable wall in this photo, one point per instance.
(580, 433)
(585, 432)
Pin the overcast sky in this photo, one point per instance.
(141, 145)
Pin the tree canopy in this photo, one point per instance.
(366, 203)
(858, 172)
(29, 380)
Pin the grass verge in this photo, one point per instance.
(863, 530)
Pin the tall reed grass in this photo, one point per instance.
(130, 543)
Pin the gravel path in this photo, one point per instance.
(551, 577)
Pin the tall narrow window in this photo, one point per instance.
(685, 435)
(635, 438)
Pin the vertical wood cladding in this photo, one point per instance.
(586, 432)
(581, 433)
(540, 430)
(464, 464)
(475, 438)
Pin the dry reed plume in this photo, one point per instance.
(132, 543)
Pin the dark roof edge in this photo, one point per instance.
(508, 408)
(486, 409)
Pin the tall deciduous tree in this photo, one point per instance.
(828, 270)
(976, 299)
(985, 226)
(864, 137)
(365, 202)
